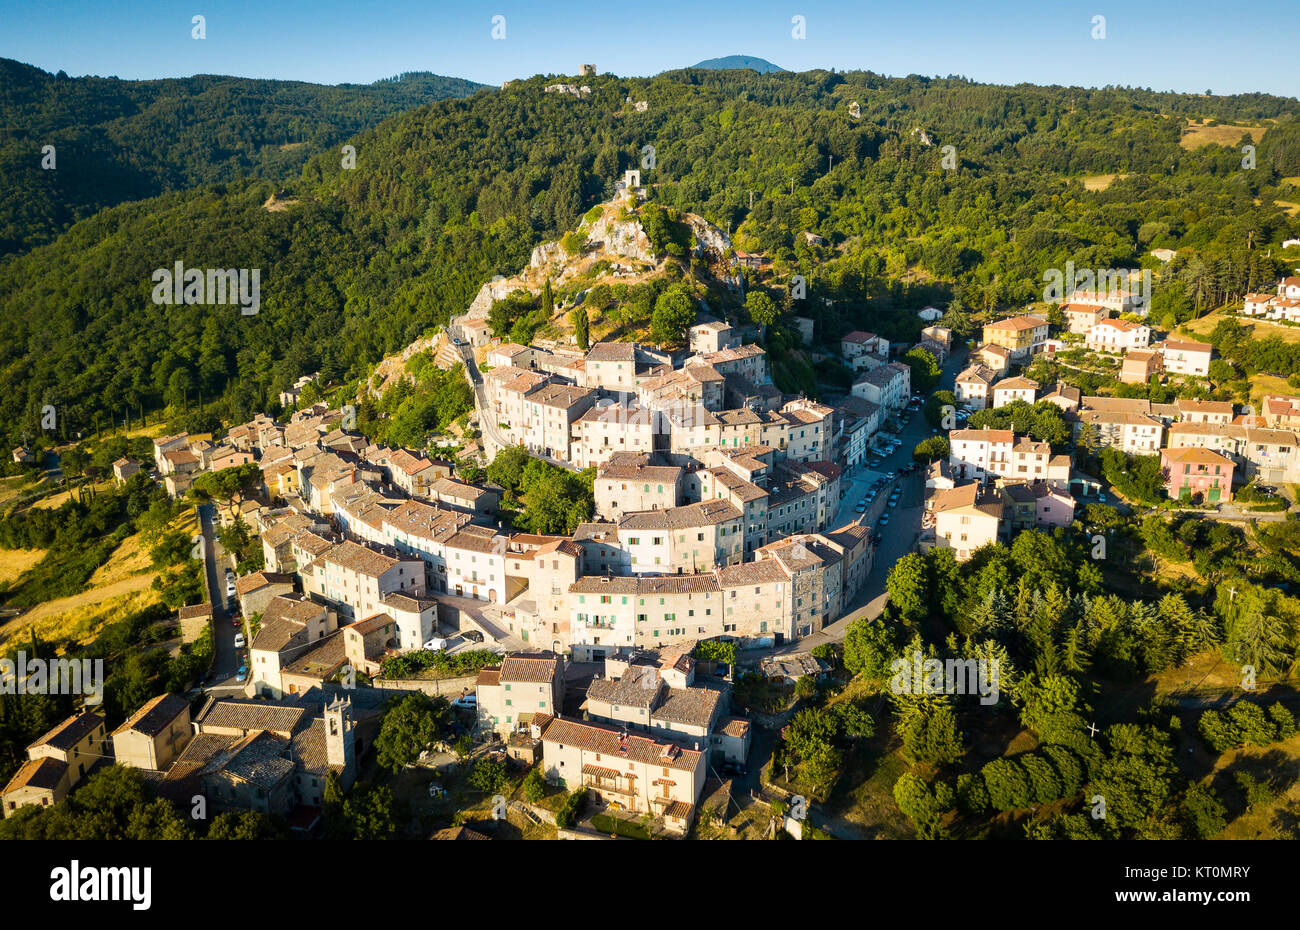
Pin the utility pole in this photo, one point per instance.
(751, 200)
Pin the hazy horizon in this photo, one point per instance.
(1163, 46)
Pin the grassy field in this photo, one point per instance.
(13, 562)
(123, 584)
(58, 500)
(81, 616)
(1258, 329)
(1278, 764)
(1196, 134)
(12, 486)
(1099, 182)
(1290, 207)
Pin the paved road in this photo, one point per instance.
(487, 421)
(897, 538)
(226, 661)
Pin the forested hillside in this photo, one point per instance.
(446, 196)
(120, 140)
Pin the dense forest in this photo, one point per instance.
(446, 196)
(120, 140)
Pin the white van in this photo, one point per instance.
(437, 644)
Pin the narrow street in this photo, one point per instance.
(487, 423)
(897, 538)
(225, 660)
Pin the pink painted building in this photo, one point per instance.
(1193, 474)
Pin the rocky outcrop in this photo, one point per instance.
(709, 236)
(548, 253)
(624, 238)
(608, 239)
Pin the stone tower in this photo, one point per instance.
(340, 744)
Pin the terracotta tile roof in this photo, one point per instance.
(678, 810)
(606, 740)
(605, 584)
(1117, 404)
(259, 758)
(1081, 308)
(1188, 405)
(978, 373)
(734, 726)
(1195, 455)
(679, 584)
(1119, 417)
(689, 706)
(416, 518)
(1000, 436)
(478, 539)
(1183, 345)
(536, 668)
(155, 715)
(252, 582)
(560, 396)
(526, 382)
(633, 466)
(361, 559)
(612, 352)
(638, 687)
(325, 657)
(704, 513)
(370, 624)
(1124, 326)
(71, 731)
(45, 773)
(1018, 323)
(565, 546)
(405, 602)
(250, 716)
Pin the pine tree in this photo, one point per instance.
(581, 327)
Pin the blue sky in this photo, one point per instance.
(1188, 46)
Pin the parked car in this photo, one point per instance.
(468, 700)
(239, 640)
(242, 674)
(884, 520)
(474, 636)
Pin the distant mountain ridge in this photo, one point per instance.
(117, 140)
(753, 62)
